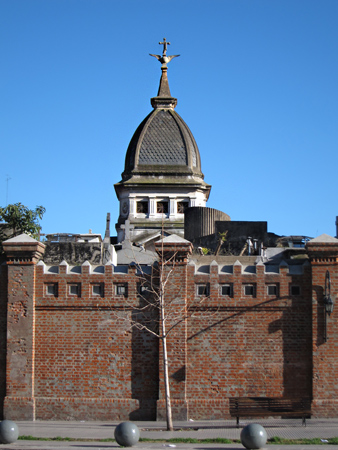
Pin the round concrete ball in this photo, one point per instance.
(127, 434)
(9, 432)
(253, 436)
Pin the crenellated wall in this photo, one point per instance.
(240, 327)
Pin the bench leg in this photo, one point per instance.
(237, 422)
(304, 421)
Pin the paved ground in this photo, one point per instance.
(320, 428)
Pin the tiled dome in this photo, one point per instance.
(162, 143)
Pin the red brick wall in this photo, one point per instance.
(19, 401)
(3, 334)
(248, 346)
(74, 357)
(325, 353)
(175, 281)
(85, 350)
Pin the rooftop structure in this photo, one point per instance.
(162, 174)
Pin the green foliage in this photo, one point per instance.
(223, 236)
(273, 440)
(205, 250)
(301, 441)
(20, 219)
(190, 440)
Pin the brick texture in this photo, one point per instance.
(73, 355)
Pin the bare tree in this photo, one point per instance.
(159, 313)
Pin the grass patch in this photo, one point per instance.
(274, 440)
(59, 438)
(304, 441)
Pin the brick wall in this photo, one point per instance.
(323, 257)
(3, 334)
(71, 353)
(248, 345)
(89, 362)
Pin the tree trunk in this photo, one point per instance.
(166, 370)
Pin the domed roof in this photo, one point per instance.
(163, 142)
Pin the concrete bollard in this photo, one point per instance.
(127, 434)
(253, 436)
(9, 432)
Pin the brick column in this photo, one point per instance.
(173, 254)
(22, 254)
(323, 253)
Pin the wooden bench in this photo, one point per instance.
(273, 406)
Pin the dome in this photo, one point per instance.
(162, 174)
(163, 142)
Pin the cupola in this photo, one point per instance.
(162, 174)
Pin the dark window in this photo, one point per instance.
(74, 289)
(250, 289)
(98, 289)
(295, 290)
(182, 206)
(162, 207)
(226, 289)
(202, 290)
(122, 289)
(273, 289)
(142, 207)
(143, 289)
(52, 289)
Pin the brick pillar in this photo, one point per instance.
(214, 284)
(323, 253)
(22, 254)
(173, 254)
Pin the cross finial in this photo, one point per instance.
(165, 44)
(164, 59)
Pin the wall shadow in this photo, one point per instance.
(145, 362)
(3, 334)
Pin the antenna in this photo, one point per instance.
(7, 180)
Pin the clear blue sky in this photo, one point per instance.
(256, 82)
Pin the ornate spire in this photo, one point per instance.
(164, 59)
(164, 98)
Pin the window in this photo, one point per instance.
(250, 289)
(182, 206)
(74, 289)
(294, 290)
(98, 289)
(143, 289)
(142, 207)
(273, 290)
(52, 289)
(162, 207)
(121, 289)
(226, 289)
(202, 290)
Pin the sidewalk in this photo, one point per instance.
(291, 428)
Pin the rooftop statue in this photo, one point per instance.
(164, 59)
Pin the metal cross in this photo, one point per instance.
(164, 43)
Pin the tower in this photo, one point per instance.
(162, 174)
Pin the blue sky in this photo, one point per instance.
(256, 83)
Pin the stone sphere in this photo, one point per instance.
(127, 434)
(9, 432)
(253, 436)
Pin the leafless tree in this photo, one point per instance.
(158, 313)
